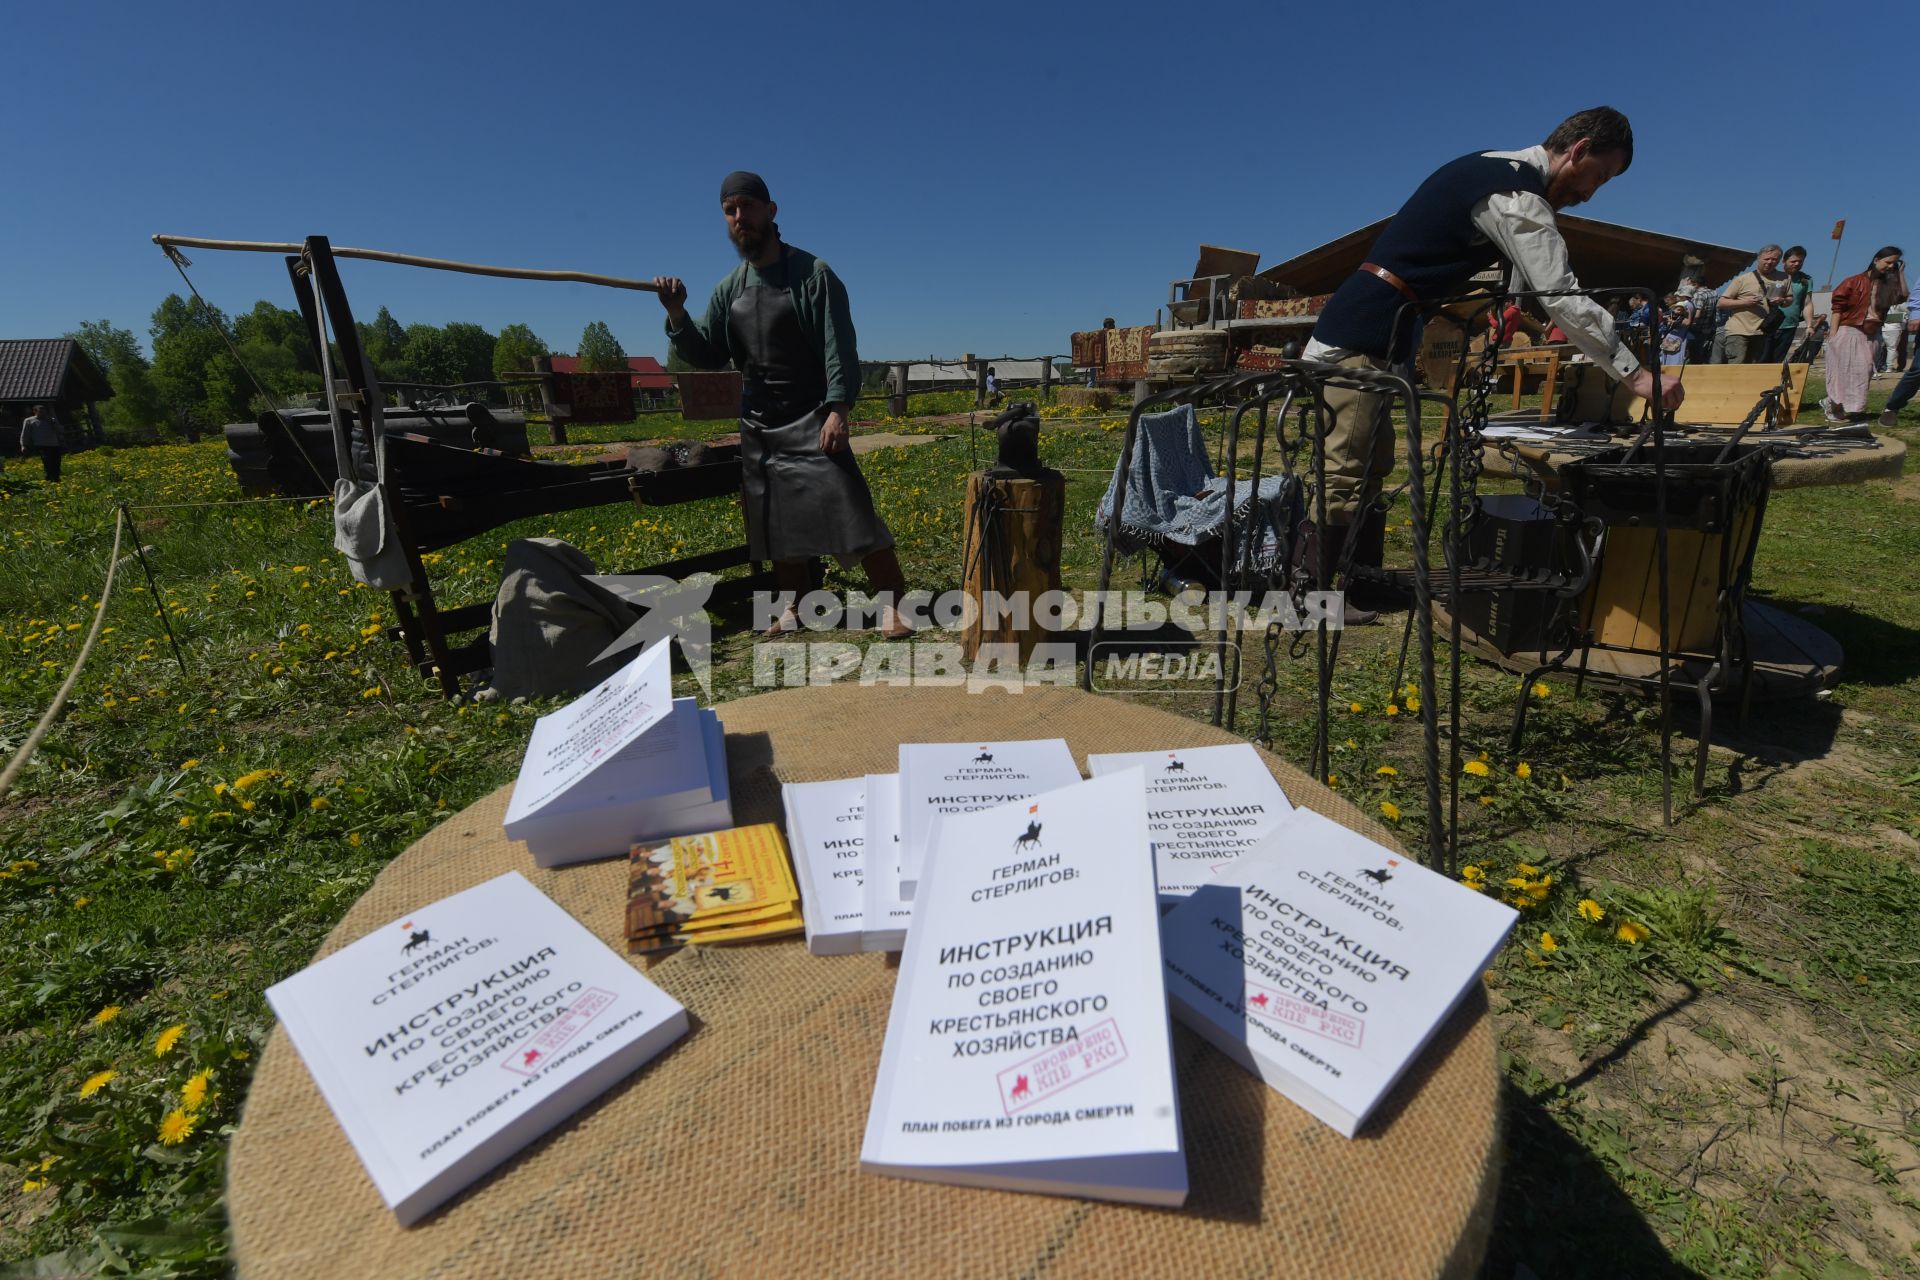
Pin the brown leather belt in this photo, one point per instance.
(1399, 285)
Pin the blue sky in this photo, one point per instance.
(985, 179)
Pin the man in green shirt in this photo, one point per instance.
(781, 318)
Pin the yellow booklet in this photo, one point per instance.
(719, 886)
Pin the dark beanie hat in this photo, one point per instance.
(742, 183)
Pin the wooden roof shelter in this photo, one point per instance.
(58, 373)
(49, 371)
(1604, 255)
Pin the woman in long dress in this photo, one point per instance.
(1860, 304)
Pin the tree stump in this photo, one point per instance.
(1013, 530)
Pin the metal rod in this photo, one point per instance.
(409, 260)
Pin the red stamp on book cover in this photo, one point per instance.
(1061, 1067)
(1302, 1016)
(531, 1058)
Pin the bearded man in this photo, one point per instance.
(782, 319)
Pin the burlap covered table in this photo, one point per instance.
(737, 1150)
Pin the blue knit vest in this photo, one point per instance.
(1432, 245)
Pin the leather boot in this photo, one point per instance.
(1304, 562)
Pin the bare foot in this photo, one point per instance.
(892, 625)
(788, 624)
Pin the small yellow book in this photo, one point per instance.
(719, 886)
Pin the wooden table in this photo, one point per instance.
(736, 1152)
(1523, 360)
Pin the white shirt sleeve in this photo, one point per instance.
(1523, 227)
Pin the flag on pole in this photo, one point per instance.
(1839, 228)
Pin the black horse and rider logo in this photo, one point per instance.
(985, 757)
(1176, 766)
(420, 938)
(1028, 839)
(1378, 877)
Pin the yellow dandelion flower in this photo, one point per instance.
(193, 1094)
(1527, 869)
(1333, 780)
(1393, 709)
(1473, 871)
(1413, 704)
(33, 1183)
(96, 1082)
(176, 1127)
(1386, 771)
(1478, 768)
(1390, 810)
(164, 1042)
(1523, 770)
(81, 902)
(1540, 689)
(186, 820)
(318, 802)
(219, 788)
(1486, 800)
(1630, 932)
(106, 1015)
(1519, 882)
(1355, 707)
(354, 839)
(190, 764)
(1547, 943)
(248, 781)
(1590, 910)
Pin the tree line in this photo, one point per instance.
(194, 384)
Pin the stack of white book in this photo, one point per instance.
(625, 763)
(888, 911)
(1206, 807)
(942, 779)
(826, 831)
(1324, 962)
(460, 1032)
(1028, 1045)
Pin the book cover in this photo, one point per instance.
(1028, 1043)
(887, 910)
(826, 829)
(460, 1032)
(1206, 807)
(938, 779)
(1324, 962)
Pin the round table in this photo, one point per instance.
(738, 1148)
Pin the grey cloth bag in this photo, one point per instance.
(550, 625)
(363, 528)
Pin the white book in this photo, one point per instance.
(938, 779)
(1028, 1045)
(826, 829)
(1206, 806)
(459, 1033)
(612, 809)
(568, 746)
(1323, 963)
(888, 911)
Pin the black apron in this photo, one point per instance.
(800, 501)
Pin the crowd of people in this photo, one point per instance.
(1764, 315)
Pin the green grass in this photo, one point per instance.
(1730, 1092)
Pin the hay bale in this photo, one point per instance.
(1086, 397)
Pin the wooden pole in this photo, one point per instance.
(409, 260)
(1020, 553)
(980, 384)
(897, 402)
(1046, 379)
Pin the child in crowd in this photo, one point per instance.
(1639, 311)
(1675, 327)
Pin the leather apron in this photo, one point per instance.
(800, 501)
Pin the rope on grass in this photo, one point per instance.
(20, 758)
